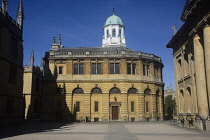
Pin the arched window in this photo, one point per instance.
(181, 101)
(186, 64)
(132, 90)
(189, 90)
(115, 90)
(113, 33)
(96, 90)
(107, 33)
(120, 33)
(189, 100)
(147, 91)
(179, 69)
(78, 91)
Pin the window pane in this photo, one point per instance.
(134, 69)
(77, 106)
(129, 68)
(75, 68)
(117, 68)
(144, 69)
(107, 33)
(96, 106)
(99, 68)
(81, 68)
(132, 106)
(93, 68)
(111, 68)
(60, 70)
(113, 33)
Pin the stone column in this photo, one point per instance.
(206, 32)
(200, 78)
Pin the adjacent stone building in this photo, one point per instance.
(191, 52)
(108, 83)
(32, 90)
(11, 65)
(170, 91)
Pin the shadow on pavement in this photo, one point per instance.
(33, 126)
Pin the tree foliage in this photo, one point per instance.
(170, 106)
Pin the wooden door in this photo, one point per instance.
(114, 112)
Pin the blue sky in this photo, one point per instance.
(80, 23)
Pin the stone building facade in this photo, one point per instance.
(11, 65)
(108, 83)
(191, 52)
(32, 90)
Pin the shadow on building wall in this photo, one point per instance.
(54, 101)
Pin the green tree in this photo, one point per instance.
(170, 107)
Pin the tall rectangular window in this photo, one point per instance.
(14, 47)
(96, 106)
(77, 106)
(114, 68)
(96, 68)
(12, 73)
(81, 68)
(148, 71)
(111, 68)
(78, 68)
(132, 107)
(147, 106)
(60, 70)
(144, 69)
(131, 68)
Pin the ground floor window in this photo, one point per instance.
(77, 106)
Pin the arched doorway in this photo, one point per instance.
(115, 102)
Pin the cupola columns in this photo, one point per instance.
(4, 4)
(20, 14)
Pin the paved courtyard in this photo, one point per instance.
(35, 130)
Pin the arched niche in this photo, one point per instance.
(115, 90)
(132, 91)
(78, 91)
(96, 90)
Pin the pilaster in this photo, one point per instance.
(200, 78)
(206, 32)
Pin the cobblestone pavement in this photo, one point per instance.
(35, 130)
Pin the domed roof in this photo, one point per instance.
(113, 20)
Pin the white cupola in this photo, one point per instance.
(114, 32)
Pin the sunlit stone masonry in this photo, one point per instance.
(108, 83)
(191, 47)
